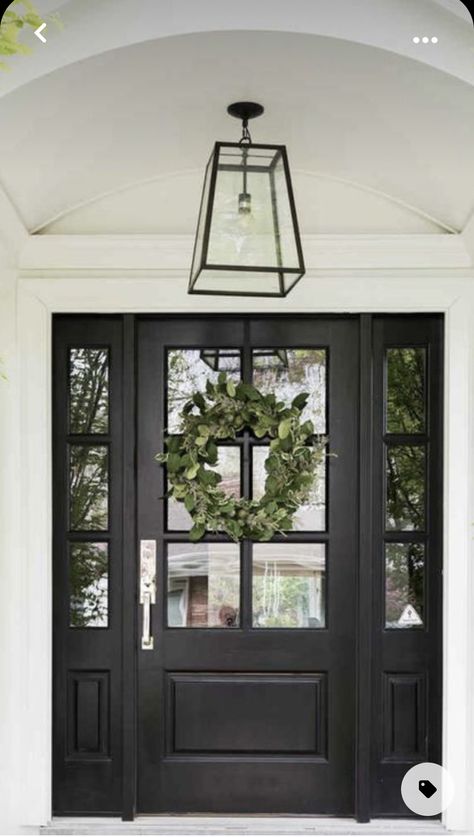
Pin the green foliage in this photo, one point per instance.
(20, 14)
(219, 414)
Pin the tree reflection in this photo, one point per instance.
(88, 582)
(406, 390)
(406, 487)
(89, 391)
(89, 488)
(404, 579)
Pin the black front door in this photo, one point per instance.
(246, 701)
(302, 675)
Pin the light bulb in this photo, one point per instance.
(245, 203)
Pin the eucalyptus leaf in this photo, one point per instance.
(284, 428)
(199, 401)
(300, 401)
(197, 532)
(173, 462)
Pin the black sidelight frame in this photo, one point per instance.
(408, 661)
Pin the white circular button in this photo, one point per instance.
(427, 789)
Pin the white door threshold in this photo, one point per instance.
(263, 825)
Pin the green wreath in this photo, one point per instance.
(221, 413)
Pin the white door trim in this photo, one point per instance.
(41, 293)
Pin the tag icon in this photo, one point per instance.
(427, 788)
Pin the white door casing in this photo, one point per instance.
(118, 274)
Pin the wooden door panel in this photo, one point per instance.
(249, 718)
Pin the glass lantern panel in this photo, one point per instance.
(198, 246)
(251, 219)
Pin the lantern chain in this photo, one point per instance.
(245, 139)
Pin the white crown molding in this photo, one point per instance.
(468, 237)
(124, 254)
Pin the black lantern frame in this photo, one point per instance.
(284, 277)
(212, 357)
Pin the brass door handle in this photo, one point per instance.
(147, 589)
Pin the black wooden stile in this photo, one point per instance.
(364, 581)
(129, 574)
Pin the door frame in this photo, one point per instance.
(39, 298)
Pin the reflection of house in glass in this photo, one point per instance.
(289, 587)
(203, 585)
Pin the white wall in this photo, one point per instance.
(101, 274)
(12, 629)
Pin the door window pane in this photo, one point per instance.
(289, 585)
(311, 516)
(188, 371)
(88, 585)
(287, 372)
(203, 585)
(228, 466)
(406, 369)
(404, 582)
(88, 391)
(89, 488)
(405, 509)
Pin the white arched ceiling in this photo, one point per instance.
(117, 142)
(93, 27)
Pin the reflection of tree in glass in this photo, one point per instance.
(88, 585)
(188, 373)
(89, 390)
(289, 586)
(310, 516)
(305, 371)
(406, 487)
(283, 601)
(404, 576)
(406, 390)
(89, 488)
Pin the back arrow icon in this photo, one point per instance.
(38, 32)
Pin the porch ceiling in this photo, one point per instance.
(379, 141)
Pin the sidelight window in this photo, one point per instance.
(406, 443)
(88, 444)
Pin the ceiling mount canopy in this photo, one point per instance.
(247, 239)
